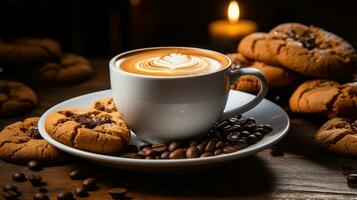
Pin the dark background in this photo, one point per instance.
(104, 28)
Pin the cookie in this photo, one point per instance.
(276, 77)
(21, 142)
(338, 135)
(70, 69)
(312, 51)
(105, 105)
(16, 98)
(254, 47)
(28, 51)
(89, 129)
(325, 97)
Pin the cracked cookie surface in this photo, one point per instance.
(254, 47)
(89, 129)
(16, 98)
(21, 142)
(312, 51)
(325, 97)
(275, 76)
(27, 51)
(71, 69)
(338, 135)
(105, 105)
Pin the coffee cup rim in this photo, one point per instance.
(115, 58)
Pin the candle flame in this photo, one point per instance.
(233, 11)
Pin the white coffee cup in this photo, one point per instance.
(167, 108)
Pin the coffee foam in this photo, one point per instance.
(171, 62)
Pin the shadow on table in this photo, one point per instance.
(246, 177)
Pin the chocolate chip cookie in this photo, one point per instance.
(16, 98)
(28, 51)
(338, 135)
(71, 69)
(254, 47)
(89, 129)
(325, 97)
(21, 142)
(277, 77)
(105, 105)
(311, 51)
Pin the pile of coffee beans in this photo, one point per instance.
(11, 191)
(225, 137)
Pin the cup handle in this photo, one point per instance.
(234, 75)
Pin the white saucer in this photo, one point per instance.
(265, 112)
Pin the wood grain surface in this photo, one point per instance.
(303, 172)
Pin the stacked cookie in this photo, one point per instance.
(325, 60)
(41, 61)
(291, 50)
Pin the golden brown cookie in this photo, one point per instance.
(276, 77)
(312, 51)
(70, 69)
(21, 142)
(28, 51)
(338, 135)
(254, 47)
(325, 97)
(16, 98)
(105, 105)
(89, 129)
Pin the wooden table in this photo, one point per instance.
(304, 171)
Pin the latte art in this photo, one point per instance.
(179, 64)
(171, 62)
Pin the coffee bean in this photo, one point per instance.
(352, 178)
(165, 155)
(142, 146)
(241, 121)
(90, 184)
(229, 149)
(210, 145)
(9, 187)
(193, 152)
(76, 174)
(252, 139)
(34, 165)
(222, 124)
(206, 154)
(219, 145)
(233, 137)
(117, 193)
(267, 128)
(241, 144)
(149, 152)
(159, 148)
(250, 119)
(217, 152)
(146, 148)
(244, 134)
(141, 154)
(178, 154)
(149, 157)
(193, 143)
(35, 180)
(65, 196)
(173, 146)
(43, 190)
(201, 147)
(19, 177)
(11, 195)
(81, 192)
(259, 135)
(40, 196)
(250, 127)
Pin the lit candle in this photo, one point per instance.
(231, 30)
